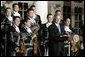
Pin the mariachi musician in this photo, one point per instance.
(44, 38)
(68, 32)
(36, 16)
(34, 22)
(73, 40)
(6, 21)
(13, 36)
(26, 35)
(15, 10)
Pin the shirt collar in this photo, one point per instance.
(57, 24)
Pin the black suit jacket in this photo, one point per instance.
(56, 43)
(12, 38)
(37, 19)
(44, 30)
(26, 35)
(54, 33)
(5, 22)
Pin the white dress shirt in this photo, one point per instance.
(10, 18)
(28, 30)
(48, 24)
(16, 14)
(58, 26)
(17, 28)
(67, 29)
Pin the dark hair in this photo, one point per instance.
(7, 8)
(66, 19)
(57, 11)
(25, 20)
(14, 17)
(32, 6)
(29, 9)
(14, 4)
(49, 14)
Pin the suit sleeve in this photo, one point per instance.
(54, 36)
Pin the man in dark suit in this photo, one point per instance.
(56, 43)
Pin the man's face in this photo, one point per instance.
(57, 18)
(50, 18)
(17, 21)
(59, 13)
(28, 23)
(16, 8)
(30, 13)
(8, 12)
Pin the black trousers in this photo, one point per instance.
(56, 48)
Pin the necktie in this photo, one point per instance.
(59, 29)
